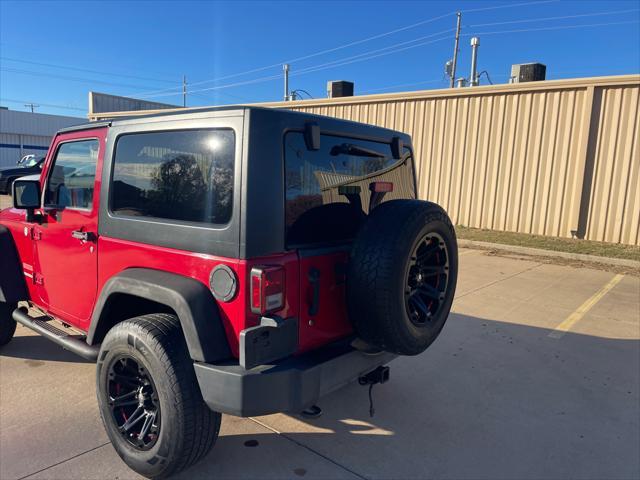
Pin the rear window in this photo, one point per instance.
(175, 175)
(328, 190)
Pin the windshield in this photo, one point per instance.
(328, 191)
(29, 161)
(32, 162)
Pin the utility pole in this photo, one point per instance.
(31, 105)
(455, 51)
(184, 90)
(285, 67)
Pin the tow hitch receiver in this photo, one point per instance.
(379, 375)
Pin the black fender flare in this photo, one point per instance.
(191, 300)
(13, 287)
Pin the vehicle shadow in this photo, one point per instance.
(488, 400)
(36, 347)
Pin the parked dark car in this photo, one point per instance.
(8, 175)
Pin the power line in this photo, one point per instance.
(357, 42)
(334, 64)
(66, 77)
(67, 67)
(294, 92)
(367, 56)
(561, 27)
(401, 85)
(305, 71)
(487, 75)
(52, 105)
(342, 63)
(220, 87)
(322, 52)
(529, 20)
(513, 5)
(394, 47)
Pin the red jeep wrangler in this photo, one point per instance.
(229, 260)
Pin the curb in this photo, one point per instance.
(618, 262)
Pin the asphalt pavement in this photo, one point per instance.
(536, 375)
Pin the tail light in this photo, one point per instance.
(380, 187)
(267, 289)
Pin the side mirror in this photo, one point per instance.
(26, 194)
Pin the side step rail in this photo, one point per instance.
(72, 343)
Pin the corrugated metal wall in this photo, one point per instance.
(103, 102)
(22, 133)
(614, 200)
(558, 158)
(14, 146)
(554, 158)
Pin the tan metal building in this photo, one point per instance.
(558, 158)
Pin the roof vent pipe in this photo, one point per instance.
(474, 80)
(287, 95)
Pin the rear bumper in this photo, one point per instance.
(290, 385)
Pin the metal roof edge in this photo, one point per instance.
(606, 81)
(633, 79)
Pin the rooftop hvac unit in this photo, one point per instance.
(528, 72)
(339, 88)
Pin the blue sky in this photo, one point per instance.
(52, 53)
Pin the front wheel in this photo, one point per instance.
(149, 398)
(7, 324)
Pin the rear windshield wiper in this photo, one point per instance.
(350, 149)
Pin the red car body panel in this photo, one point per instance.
(118, 255)
(330, 322)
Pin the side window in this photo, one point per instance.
(184, 175)
(73, 175)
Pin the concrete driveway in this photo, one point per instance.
(536, 375)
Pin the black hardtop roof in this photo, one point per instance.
(184, 114)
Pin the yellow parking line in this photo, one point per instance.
(576, 316)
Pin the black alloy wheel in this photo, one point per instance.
(427, 279)
(134, 402)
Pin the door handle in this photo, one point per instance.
(83, 236)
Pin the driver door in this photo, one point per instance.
(66, 247)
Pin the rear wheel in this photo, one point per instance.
(149, 397)
(402, 276)
(7, 324)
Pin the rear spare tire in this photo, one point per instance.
(402, 276)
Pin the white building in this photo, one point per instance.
(22, 133)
